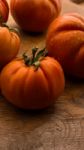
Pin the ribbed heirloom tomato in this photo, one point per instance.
(34, 15)
(9, 45)
(65, 42)
(4, 11)
(32, 83)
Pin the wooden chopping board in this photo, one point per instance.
(58, 128)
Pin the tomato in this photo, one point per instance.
(34, 15)
(9, 45)
(4, 11)
(32, 84)
(65, 42)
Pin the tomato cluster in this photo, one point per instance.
(36, 82)
(29, 83)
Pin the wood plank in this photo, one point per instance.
(60, 127)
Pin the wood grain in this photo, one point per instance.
(60, 127)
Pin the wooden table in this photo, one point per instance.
(58, 128)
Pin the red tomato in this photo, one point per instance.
(4, 10)
(9, 45)
(34, 15)
(32, 85)
(65, 42)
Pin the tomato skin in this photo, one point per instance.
(9, 45)
(28, 88)
(34, 15)
(4, 10)
(65, 42)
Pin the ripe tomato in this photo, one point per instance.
(32, 83)
(65, 42)
(9, 45)
(4, 11)
(34, 15)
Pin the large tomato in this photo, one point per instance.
(32, 83)
(34, 15)
(4, 11)
(65, 42)
(9, 45)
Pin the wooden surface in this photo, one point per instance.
(58, 128)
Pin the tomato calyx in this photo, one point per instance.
(10, 28)
(3, 24)
(36, 57)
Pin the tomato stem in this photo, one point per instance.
(34, 50)
(37, 56)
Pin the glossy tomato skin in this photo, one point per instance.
(9, 45)
(31, 88)
(4, 10)
(34, 15)
(65, 42)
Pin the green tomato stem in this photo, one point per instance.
(36, 58)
